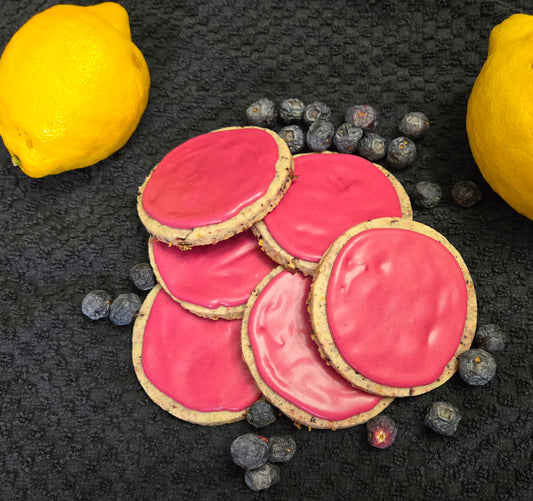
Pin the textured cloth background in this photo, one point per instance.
(74, 421)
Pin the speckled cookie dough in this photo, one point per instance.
(392, 307)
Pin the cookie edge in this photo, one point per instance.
(278, 254)
(322, 334)
(244, 219)
(167, 403)
(297, 415)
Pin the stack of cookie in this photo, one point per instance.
(302, 279)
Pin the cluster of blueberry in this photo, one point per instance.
(311, 126)
(477, 367)
(97, 303)
(258, 455)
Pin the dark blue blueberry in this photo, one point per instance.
(294, 136)
(143, 276)
(371, 146)
(315, 111)
(466, 193)
(261, 414)
(291, 110)
(347, 137)
(382, 431)
(401, 152)
(282, 448)
(443, 418)
(262, 478)
(477, 366)
(320, 135)
(414, 124)
(262, 113)
(124, 308)
(427, 195)
(96, 304)
(362, 115)
(491, 338)
(249, 451)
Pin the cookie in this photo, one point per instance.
(331, 193)
(215, 185)
(392, 306)
(212, 281)
(191, 366)
(286, 364)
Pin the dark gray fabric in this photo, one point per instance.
(75, 423)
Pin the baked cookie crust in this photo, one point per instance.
(185, 238)
(281, 256)
(298, 415)
(321, 328)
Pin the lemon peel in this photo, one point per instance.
(499, 120)
(73, 88)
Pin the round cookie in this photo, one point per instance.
(392, 306)
(212, 281)
(286, 364)
(215, 185)
(331, 192)
(191, 366)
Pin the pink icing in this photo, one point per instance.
(288, 359)
(196, 361)
(216, 275)
(330, 194)
(396, 304)
(211, 178)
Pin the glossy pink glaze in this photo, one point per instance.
(396, 304)
(196, 361)
(223, 274)
(288, 359)
(331, 193)
(211, 178)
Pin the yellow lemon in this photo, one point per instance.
(73, 88)
(499, 119)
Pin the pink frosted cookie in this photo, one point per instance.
(215, 185)
(211, 281)
(331, 192)
(392, 306)
(286, 364)
(191, 366)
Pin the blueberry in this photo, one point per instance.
(124, 308)
(294, 136)
(362, 115)
(291, 110)
(371, 146)
(426, 194)
(466, 193)
(382, 431)
(320, 135)
(491, 338)
(142, 276)
(262, 478)
(262, 113)
(347, 137)
(401, 152)
(442, 418)
(261, 414)
(315, 111)
(96, 304)
(282, 448)
(249, 451)
(477, 366)
(414, 124)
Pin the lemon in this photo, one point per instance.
(73, 88)
(499, 119)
